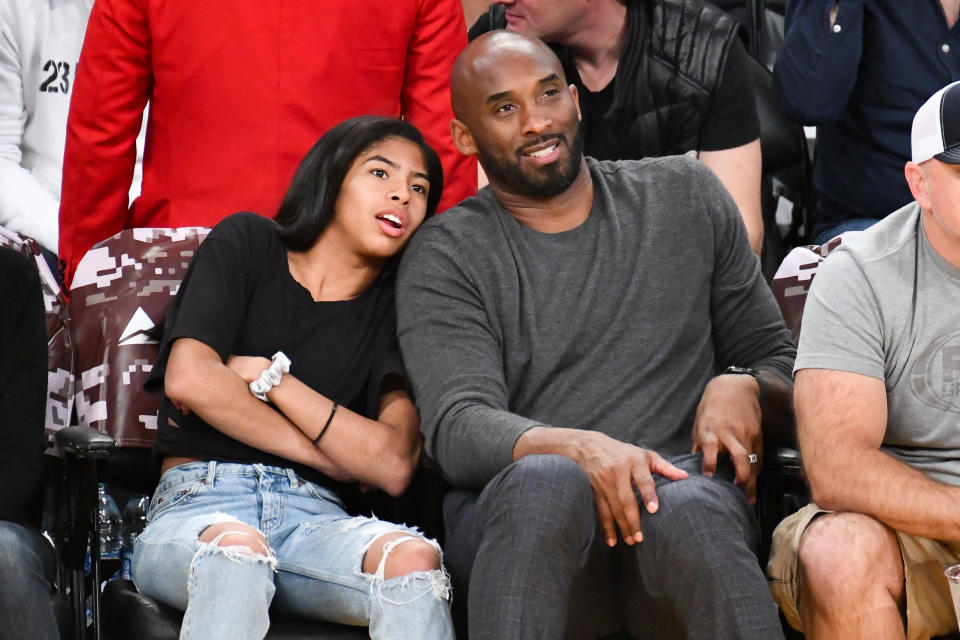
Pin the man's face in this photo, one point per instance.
(524, 123)
(549, 20)
(942, 191)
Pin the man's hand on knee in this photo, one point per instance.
(618, 470)
(728, 419)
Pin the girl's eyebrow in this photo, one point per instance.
(393, 164)
(382, 159)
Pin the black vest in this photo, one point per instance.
(667, 75)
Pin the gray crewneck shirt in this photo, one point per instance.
(885, 304)
(616, 325)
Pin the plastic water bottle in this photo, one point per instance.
(134, 521)
(109, 523)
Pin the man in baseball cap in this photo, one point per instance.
(936, 127)
(877, 396)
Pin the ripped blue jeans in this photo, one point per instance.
(313, 569)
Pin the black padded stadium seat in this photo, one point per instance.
(786, 195)
(134, 615)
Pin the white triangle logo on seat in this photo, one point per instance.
(137, 329)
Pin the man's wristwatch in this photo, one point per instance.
(747, 371)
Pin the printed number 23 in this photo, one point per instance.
(56, 70)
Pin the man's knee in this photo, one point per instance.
(541, 493)
(535, 480)
(840, 552)
(697, 510)
(236, 536)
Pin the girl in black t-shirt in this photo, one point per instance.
(282, 381)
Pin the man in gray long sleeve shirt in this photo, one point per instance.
(563, 331)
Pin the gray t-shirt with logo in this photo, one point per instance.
(886, 305)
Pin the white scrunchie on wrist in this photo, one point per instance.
(270, 377)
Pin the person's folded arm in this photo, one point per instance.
(198, 381)
(841, 421)
(817, 63)
(381, 453)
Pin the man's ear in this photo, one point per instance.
(462, 138)
(576, 100)
(917, 180)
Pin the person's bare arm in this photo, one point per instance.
(614, 469)
(381, 453)
(198, 381)
(841, 421)
(739, 170)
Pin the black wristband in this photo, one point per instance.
(329, 420)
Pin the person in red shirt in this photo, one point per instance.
(238, 92)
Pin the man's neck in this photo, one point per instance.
(598, 42)
(559, 213)
(951, 9)
(946, 244)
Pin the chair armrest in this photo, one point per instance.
(783, 472)
(782, 489)
(788, 460)
(86, 442)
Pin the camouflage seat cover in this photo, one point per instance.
(62, 354)
(120, 293)
(792, 281)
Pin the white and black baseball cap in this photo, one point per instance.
(936, 127)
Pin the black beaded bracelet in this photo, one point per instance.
(329, 420)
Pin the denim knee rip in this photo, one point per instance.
(236, 553)
(437, 581)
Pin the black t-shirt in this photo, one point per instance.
(730, 122)
(239, 298)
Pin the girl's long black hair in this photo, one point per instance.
(308, 206)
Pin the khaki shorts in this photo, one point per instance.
(929, 607)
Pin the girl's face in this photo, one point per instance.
(383, 198)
